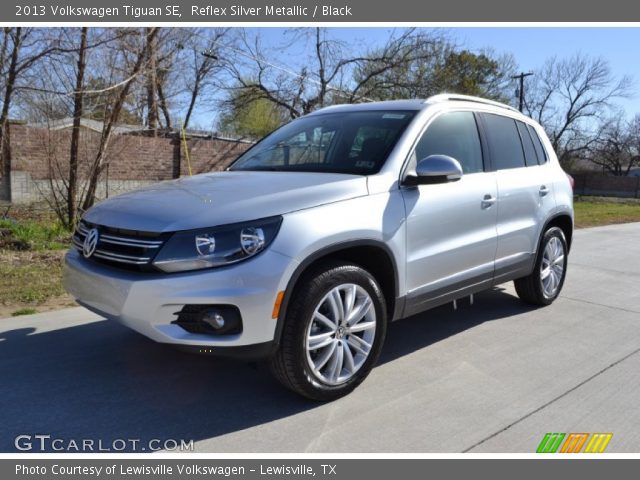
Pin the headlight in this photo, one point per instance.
(217, 246)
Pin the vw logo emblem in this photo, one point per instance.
(90, 242)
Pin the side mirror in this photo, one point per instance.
(435, 169)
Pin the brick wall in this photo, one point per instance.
(38, 155)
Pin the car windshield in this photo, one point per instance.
(342, 142)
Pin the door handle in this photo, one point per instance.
(487, 201)
(543, 190)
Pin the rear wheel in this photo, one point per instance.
(333, 332)
(544, 284)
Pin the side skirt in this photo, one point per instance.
(420, 302)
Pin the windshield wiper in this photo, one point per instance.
(258, 169)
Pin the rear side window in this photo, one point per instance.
(504, 142)
(454, 134)
(530, 155)
(537, 144)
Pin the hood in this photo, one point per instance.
(220, 198)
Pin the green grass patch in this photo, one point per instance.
(24, 311)
(38, 235)
(596, 212)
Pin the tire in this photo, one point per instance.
(302, 363)
(544, 284)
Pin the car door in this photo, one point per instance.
(450, 227)
(524, 193)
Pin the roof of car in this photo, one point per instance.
(414, 104)
(369, 106)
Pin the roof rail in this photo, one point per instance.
(443, 97)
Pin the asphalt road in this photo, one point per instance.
(492, 377)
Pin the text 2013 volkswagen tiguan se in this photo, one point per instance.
(327, 230)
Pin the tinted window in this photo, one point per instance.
(537, 144)
(454, 134)
(530, 155)
(347, 142)
(504, 142)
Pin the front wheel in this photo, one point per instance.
(333, 332)
(544, 284)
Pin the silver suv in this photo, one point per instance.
(327, 230)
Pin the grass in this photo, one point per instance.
(33, 235)
(32, 244)
(593, 211)
(24, 311)
(30, 278)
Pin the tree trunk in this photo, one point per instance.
(8, 93)
(78, 98)
(192, 103)
(163, 106)
(321, 73)
(152, 104)
(5, 44)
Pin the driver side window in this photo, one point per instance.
(454, 134)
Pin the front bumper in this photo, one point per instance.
(147, 302)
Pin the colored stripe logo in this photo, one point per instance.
(598, 443)
(550, 443)
(573, 442)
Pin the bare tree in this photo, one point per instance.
(617, 149)
(335, 72)
(16, 37)
(404, 67)
(252, 76)
(412, 63)
(138, 58)
(570, 97)
(202, 63)
(61, 86)
(428, 64)
(178, 78)
(25, 47)
(401, 53)
(108, 86)
(165, 71)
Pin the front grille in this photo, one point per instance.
(128, 249)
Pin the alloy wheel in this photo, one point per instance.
(340, 334)
(552, 267)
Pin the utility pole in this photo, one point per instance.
(521, 89)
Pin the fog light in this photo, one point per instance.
(210, 319)
(213, 319)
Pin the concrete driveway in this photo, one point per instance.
(492, 377)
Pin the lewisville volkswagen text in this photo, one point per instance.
(322, 233)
